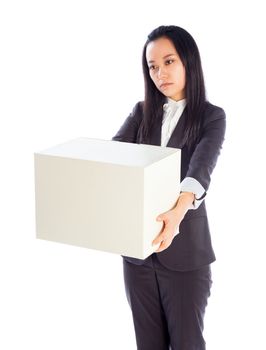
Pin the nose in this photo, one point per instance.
(161, 73)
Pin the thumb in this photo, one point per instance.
(160, 217)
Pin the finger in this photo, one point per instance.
(159, 239)
(165, 234)
(164, 245)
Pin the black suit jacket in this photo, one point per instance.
(192, 247)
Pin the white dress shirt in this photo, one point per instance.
(172, 113)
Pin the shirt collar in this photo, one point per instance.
(174, 105)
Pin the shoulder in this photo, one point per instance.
(138, 107)
(212, 112)
(137, 112)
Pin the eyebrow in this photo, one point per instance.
(171, 54)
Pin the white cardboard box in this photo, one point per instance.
(104, 194)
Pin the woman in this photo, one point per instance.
(168, 291)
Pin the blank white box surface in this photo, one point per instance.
(104, 194)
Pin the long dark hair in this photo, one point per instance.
(195, 95)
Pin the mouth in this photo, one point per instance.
(165, 85)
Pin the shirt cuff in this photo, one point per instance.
(189, 184)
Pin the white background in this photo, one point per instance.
(73, 68)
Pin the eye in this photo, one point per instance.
(169, 61)
(152, 67)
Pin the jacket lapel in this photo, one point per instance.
(178, 133)
(155, 138)
(175, 140)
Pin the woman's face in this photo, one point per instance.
(166, 69)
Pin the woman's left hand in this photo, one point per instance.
(170, 229)
(171, 221)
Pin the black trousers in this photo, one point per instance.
(167, 306)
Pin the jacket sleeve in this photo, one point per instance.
(205, 155)
(129, 129)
